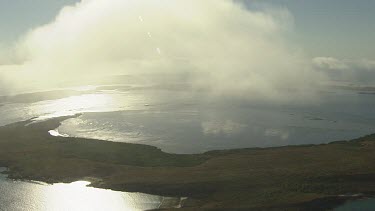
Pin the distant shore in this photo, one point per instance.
(290, 178)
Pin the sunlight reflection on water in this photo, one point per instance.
(76, 196)
(181, 121)
(57, 133)
(33, 196)
(75, 104)
(99, 102)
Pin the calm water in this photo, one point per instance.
(185, 122)
(359, 205)
(31, 196)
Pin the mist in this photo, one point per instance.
(358, 71)
(220, 45)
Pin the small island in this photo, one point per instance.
(289, 178)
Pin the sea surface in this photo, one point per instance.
(178, 120)
(358, 205)
(36, 196)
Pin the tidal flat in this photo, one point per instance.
(303, 177)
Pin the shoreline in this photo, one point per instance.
(290, 177)
(330, 202)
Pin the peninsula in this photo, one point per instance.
(290, 178)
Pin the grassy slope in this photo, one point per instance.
(247, 178)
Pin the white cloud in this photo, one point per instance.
(329, 63)
(360, 71)
(343, 64)
(225, 47)
(366, 64)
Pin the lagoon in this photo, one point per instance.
(38, 196)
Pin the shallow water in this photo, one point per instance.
(181, 121)
(33, 196)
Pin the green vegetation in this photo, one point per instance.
(290, 178)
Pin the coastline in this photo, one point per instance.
(290, 177)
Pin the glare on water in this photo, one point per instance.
(181, 121)
(76, 196)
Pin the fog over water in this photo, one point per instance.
(205, 75)
(179, 120)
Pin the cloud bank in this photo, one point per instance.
(360, 71)
(224, 47)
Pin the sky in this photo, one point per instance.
(19, 16)
(335, 28)
(232, 47)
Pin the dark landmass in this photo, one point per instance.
(64, 93)
(167, 86)
(39, 96)
(306, 177)
(354, 88)
(314, 118)
(366, 93)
